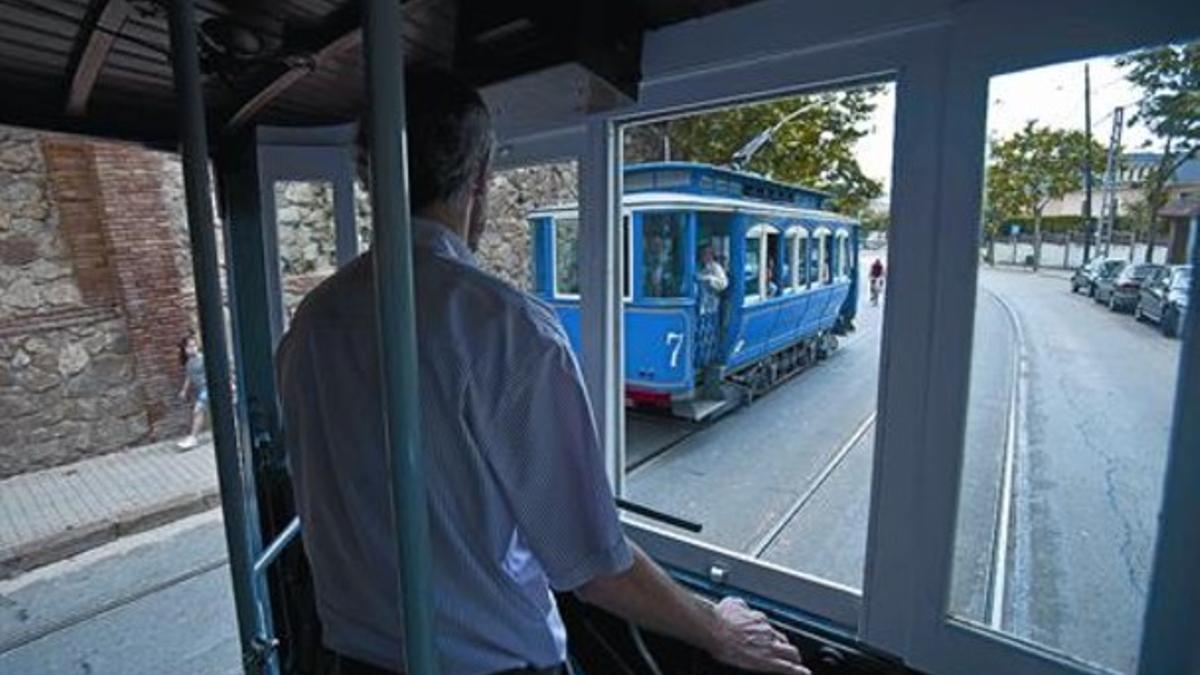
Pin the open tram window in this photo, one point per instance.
(750, 409)
(1073, 371)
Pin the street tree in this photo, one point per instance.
(815, 149)
(1033, 167)
(1169, 80)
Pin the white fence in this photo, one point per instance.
(1066, 251)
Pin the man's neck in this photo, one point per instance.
(447, 218)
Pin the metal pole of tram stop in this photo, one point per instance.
(383, 39)
(194, 139)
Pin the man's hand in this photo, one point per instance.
(747, 640)
(730, 631)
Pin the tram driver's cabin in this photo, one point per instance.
(796, 291)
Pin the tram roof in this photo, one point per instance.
(664, 200)
(709, 179)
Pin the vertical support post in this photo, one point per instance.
(601, 301)
(185, 63)
(396, 311)
(345, 227)
(1169, 642)
(1087, 164)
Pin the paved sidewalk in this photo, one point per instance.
(52, 514)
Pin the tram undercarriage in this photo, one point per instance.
(744, 385)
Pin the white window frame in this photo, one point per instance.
(941, 58)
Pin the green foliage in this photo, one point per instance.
(875, 221)
(1169, 78)
(816, 149)
(1033, 167)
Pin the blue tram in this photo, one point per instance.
(692, 343)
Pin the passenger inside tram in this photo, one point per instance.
(519, 501)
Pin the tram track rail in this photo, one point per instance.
(831, 465)
(998, 572)
(697, 427)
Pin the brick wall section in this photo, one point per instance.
(141, 250)
(72, 177)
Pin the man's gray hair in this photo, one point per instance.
(449, 135)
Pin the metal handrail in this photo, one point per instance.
(277, 546)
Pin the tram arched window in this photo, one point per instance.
(566, 256)
(663, 244)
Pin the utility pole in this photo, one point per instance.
(1087, 164)
(1112, 168)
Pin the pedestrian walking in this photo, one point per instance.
(193, 383)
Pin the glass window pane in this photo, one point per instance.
(752, 270)
(754, 416)
(1072, 380)
(663, 237)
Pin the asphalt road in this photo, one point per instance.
(153, 603)
(1090, 464)
(787, 479)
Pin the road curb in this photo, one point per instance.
(75, 540)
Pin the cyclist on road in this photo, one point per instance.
(876, 277)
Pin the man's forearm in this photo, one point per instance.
(646, 596)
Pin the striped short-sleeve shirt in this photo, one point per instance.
(518, 500)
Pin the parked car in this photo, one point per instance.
(1085, 276)
(1122, 292)
(1164, 298)
(1107, 273)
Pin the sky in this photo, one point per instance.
(1051, 95)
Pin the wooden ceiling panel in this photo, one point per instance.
(43, 42)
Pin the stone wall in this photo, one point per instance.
(96, 284)
(507, 248)
(306, 235)
(67, 384)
